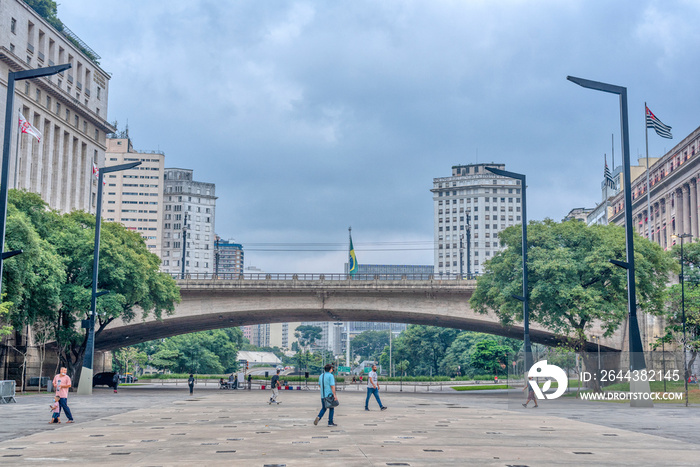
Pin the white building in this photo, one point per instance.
(189, 209)
(472, 204)
(69, 109)
(135, 197)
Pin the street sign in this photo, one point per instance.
(345, 369)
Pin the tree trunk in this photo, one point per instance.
(689, 368)
(590, 364)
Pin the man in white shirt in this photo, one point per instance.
(373, 388)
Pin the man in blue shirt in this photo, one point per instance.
(327, 384)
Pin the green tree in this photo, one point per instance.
(423, 346)
(205, 352)
(127, 269)
(128, 358)
(458, 358)
(573, 286)
(47, 9)
(690, 291)
(490, 356)
(52, 280)
(165, 359)
(368, 345)
(307, 335)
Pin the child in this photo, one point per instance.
(56, 409)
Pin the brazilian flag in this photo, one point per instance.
(352, 260)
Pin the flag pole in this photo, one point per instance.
(646, 138)
(14, 184)
(612, 145)
(605, 156)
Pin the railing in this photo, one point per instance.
(320, 277)
(7, 392)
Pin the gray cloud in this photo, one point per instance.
(311, 116)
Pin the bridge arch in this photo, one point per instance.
(214, 304)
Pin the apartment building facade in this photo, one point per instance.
(69, 109)
(189, 209)
(471, 207)
(135, 197)
(229, 259)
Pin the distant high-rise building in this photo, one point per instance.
(471, 207)
(135, 197)
(69, 109)
(189, 209)
(228, 257)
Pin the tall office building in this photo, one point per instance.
(188, 210)
(135, 197)
(470, 208)
(228, 257)
(69, 109)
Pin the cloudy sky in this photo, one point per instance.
(314, 116)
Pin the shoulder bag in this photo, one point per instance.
(328, 401)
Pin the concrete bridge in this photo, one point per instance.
(210, 303)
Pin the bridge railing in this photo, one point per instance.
(320, 277)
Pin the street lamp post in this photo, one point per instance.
(13, 76)
(468, 228)
(685, 359)
(184, 243)
(216, 257)
(461, 257)
(524, 298)
(85, 383)
(635, 339)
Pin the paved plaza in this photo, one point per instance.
(161, 425)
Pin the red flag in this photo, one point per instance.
(28, 128)
(96, 173)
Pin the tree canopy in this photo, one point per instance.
(308, 334)
(572, 284)
(368, 345)
(690, 291)
(205, 352)
(51, 281)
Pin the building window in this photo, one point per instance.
(13, 26)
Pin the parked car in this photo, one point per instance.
(127, 378)
(103, 379)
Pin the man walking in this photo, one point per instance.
(62, 383)
(275, 384)
(327, 384)
(373, 388)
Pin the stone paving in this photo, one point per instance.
(165, 426)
